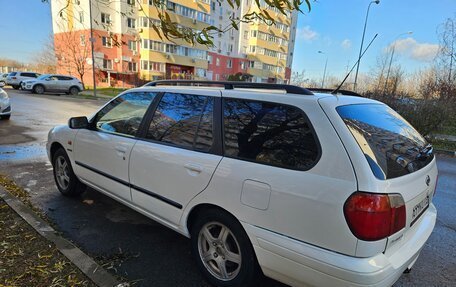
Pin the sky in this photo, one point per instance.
(332, 26)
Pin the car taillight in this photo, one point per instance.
(14, 78)
(435, 187)
(373, 216)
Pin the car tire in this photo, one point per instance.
(38, 89)
(65, 179)
(20, 86)
(6, 117)
(223, 251)
(74, 91)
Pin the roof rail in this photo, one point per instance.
(331, 91)
(228, 85)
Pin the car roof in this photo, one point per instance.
(259, 92)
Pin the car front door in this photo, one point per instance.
(177, 154)
(102, 153)
(51, 84)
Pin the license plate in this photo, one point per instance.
(419, 209)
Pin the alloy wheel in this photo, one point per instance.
(61, 172)
(219, 251)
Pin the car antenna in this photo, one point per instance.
(351, 70)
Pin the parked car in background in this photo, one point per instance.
(5, 105)
(53, 83)
(310, 188)
(15, 79)
(3, 79)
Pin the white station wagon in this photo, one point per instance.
(308, 189)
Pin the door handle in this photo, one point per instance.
(121, 149)
(194, 168)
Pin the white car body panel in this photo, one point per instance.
(106, 153)
(294, 219)
(4, 103)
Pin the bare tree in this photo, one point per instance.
(45, 61)
(73, 53)
(299, 79)
(446, 59)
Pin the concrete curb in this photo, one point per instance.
(445, 152)
(86, 264)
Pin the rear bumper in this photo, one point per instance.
(296, 263)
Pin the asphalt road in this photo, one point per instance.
(139, 249)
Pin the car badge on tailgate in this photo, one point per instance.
(428, 180)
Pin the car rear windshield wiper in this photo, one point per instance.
(425, 152)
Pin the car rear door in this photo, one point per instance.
(102, 153)
(177, 154)
(63, 83)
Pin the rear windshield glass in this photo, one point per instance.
(390, 144)
(13, 74)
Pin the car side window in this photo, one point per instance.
(124, 114)
(62, 78)
(269, 133)
(183, 120)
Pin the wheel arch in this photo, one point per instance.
(39, 84)
(74, 86)
(199, 209)
(54, 147)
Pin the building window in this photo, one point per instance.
(107, 64)
(229, 63)
(209, 57)
(83, 40)
(246, 35)
(131, 2)
(230, 48)
(217, 77)
(152, 66)
(217, 61)
(132, 67)
(200, 72)
(106, 42)
(243, 66)
(81, 17)
(105, 18)
(132, 45)
(145, 44)
(131, 23)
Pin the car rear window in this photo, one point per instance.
(269, 133)
(390, 144)
(13, 74)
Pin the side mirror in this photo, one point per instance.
(48, 79)
(78, 123)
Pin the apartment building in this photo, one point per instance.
(128, 51)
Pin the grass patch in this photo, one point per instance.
(112, 92)
(28, 259)
(448, 130)
(443, 144)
